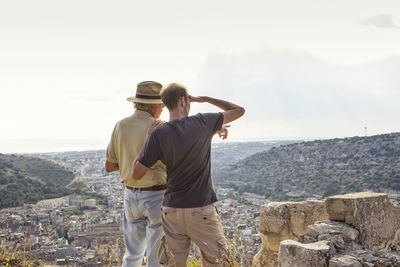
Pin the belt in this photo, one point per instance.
(151, 188)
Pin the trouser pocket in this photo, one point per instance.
(164, 254)
(132, 211)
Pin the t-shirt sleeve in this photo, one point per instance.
(151, 151)
(110, 153)
(214, 121)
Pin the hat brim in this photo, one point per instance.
(144, 101)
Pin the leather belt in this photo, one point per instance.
(151, 188)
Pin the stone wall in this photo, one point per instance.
(285, 220)
(360, 229)
(372, 214)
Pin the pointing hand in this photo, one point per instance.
(223, 133)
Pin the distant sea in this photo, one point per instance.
(59, 145)
(50, 145)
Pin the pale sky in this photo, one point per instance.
(302, 69)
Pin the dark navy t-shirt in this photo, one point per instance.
(184, 146)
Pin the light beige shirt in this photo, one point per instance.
(126, 142)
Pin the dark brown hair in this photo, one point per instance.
(171, 94)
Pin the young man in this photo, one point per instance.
(142, 199)
(184, 144)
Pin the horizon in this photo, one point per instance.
(28, 146)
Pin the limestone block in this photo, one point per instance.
(285, 220)
(344, 261)
(307, 239)
(293, 253)
(375, 258)
(336, 240)
(265, 258)
(372, 214)
(347, 232)
(305, 213)
(274, 218)
(290, 218)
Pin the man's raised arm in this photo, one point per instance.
(231, 111)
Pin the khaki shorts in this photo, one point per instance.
(200, 225)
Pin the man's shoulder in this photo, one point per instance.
(134, 119)
(124, 120)
(198, 116)
(205, 116)
(165, 127)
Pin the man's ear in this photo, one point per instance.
(182, 101)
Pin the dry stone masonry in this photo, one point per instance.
(285, 220)
(359, 229)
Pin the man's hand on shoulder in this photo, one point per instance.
(154, 125)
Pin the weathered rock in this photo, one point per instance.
(349, 253)
(290, 218)
(307, 239)
(293, 253)
(336, 240)
(265, 257)
(375, 217)
(333, 228)
(336, 232)
(285, 220)
(344, 261)
(375, 258)
(368, 234)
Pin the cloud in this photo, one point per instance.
(295, 88)
(380, 21)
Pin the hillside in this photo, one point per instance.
(223, 154)
(91, 162)
(323, 167)
(25, 180)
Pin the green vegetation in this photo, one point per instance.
(239, 199)
(16, 259)
(318, 168)
(80, 188)
(74, 212)
(26, 180)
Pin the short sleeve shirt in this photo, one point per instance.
(184, 146)
(126, 142)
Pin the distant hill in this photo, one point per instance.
(222, 154)
(25, 180)
(225, 153)
(318, 168)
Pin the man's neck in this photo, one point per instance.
(176, 114)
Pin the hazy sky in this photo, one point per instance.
(301, 68)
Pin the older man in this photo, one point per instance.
(184, 145)
(142, 198)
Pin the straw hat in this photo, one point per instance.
(147, 92)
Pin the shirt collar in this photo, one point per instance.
(143, 114)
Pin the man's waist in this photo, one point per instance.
(151, 188)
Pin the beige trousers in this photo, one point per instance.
(200, 225)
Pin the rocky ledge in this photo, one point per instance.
(360, 229)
